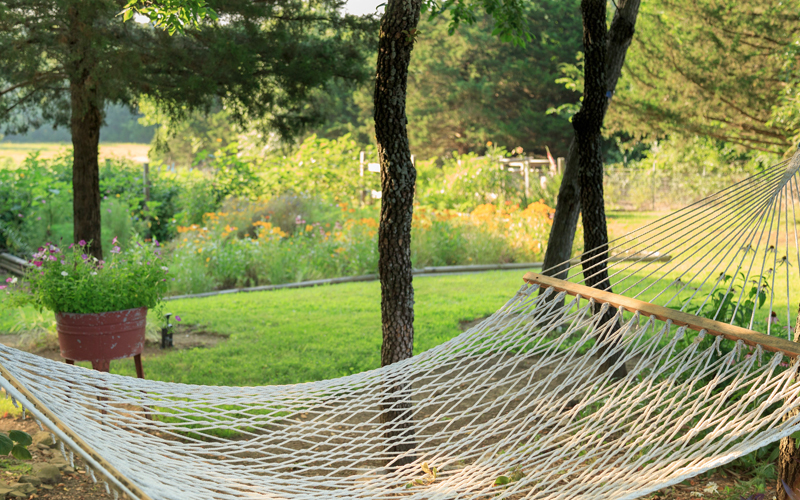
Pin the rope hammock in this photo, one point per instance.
(527, 404)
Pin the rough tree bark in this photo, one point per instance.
(588, 124)
(87, 117)
(565, 220)
(398, 178)
(789, 458)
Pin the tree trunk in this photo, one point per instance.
(588, 124)
(87, 117)
(398, 178)
(789, 458)
(565, 220)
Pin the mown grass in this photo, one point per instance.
(302, 335)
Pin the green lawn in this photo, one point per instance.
(301, 335)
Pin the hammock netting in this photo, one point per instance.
(529, 403)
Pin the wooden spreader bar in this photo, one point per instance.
(749, 337)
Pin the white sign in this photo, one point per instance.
(374, 167)
(376, 194)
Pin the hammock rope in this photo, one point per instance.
(516, 407)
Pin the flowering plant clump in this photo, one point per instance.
(70, 280)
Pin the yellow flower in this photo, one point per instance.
(309, 228)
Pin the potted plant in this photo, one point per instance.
(100, 305)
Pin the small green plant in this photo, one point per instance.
(514, 475)
(429, 478)
(730, 305)
(16, 443)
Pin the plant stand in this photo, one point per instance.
(104, 365)
(102, 337)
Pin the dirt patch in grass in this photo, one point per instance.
(467, 324)
(185, 337)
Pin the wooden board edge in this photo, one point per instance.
(717, 328)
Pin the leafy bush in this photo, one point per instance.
(323, 168)
(463, 182)
(36, 185)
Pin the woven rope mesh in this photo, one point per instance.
(526, 394)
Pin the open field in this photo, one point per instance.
(17, 151)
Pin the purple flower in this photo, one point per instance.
(114, 241)
(116, 250)
(773, 318)
(2, 287)
(53, 258)
(156, 243)
(19, 215)
(44, 201)
(37, 263)
(177, 318)
(8, 280)
(299, 220)
(38, 218)
(40, 249)
(71, 245)
(82, 243)
(84, 257)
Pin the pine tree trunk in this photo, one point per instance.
(87, 117)
(398, 178)
(789, 458)
(565, 220)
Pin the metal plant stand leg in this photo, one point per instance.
(137, 359)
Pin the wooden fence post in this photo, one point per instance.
(361, 190)
(145, 209)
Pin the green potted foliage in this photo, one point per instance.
(100, 305)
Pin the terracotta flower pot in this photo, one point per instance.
(101, 337)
